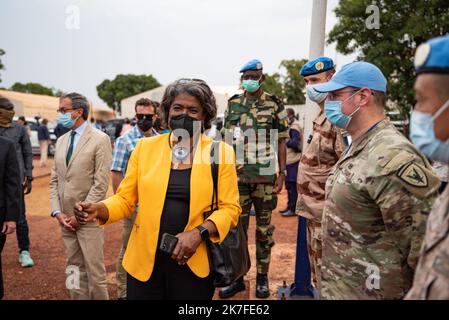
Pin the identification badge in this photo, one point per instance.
(249, 122)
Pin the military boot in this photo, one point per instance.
(262, 287)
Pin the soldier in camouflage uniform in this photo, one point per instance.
(378, 195)
(323, 149)
(430, 133)
(248, 120)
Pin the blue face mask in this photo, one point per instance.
(315, 96)
(335, 115)
(423, 136)
(66, 120)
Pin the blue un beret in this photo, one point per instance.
(252, 65)
(433, 56)
(317, 65)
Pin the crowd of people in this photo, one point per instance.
(375, 229)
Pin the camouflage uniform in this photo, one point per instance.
(378, 197)
(325, 147)
(245, 113)
(432, 274)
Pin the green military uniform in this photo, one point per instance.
(248, 122)
(378, 197)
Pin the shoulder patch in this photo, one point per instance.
(412, 174)
(418, 179)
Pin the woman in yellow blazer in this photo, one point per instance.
(169, 176)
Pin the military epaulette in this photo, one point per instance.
(235, 96)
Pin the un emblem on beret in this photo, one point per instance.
(259, 66)
(421, 55)
(319, 66)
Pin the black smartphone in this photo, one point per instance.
(168, 243)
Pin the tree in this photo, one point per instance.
(403, 25)
(273, 85)
(2, 67)
(32, 87)
(124, 85)
(288, 87)
(294, 83)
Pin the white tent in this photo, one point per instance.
(222, 94)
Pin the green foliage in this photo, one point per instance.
(289, 87)
(404, 25)
(273, 85)
(124, 85)
(294, 83)
(32, 87)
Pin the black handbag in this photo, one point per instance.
(229, 260)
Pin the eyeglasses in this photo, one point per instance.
(64, 111)
(141, 116)
(334, 96)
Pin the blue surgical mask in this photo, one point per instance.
(423, 136)
(314, 95)
(66, 120)
(333, 112)
(251, 85)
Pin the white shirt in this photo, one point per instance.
(79, 132)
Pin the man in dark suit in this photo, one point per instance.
(10, 193)
(19, 135)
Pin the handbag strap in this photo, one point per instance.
(214, 165)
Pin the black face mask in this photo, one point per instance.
(183, 121)
(157, 123)
(145, 124)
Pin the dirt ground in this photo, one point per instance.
(46, 280)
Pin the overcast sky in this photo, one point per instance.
(208, 39)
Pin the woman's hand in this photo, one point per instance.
(8, 227)
(187, 244)
(88, 211)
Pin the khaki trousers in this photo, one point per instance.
(86, 272)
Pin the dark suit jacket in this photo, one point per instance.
(9, 182)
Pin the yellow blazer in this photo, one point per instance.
(146, 183)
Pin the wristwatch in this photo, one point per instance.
(204, 233)
(54, 213)
(284, 172)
